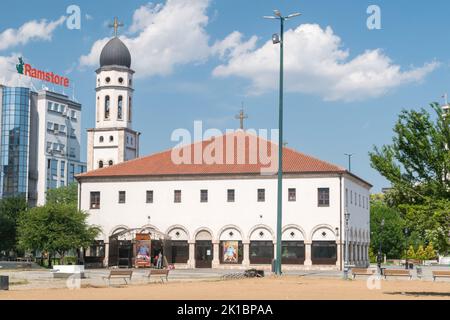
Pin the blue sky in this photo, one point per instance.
(323, 116)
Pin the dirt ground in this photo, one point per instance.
(285, 288)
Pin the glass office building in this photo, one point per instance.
(15, 127)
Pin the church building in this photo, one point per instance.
(211, 215)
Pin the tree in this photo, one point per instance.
(10, 209)
(55, 228)
(420, 253)
(418, 161)
(410, 254)
(63, 195)
(417, 164)
(391, 235)
(430, 253)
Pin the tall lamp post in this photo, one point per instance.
(346, 262)
(379, 250)
(406, 248)
(279, 39)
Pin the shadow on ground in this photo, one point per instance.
(423, 294)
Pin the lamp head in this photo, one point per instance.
(276, 38)
(277, 12)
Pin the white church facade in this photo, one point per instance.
(205, 210)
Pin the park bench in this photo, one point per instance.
(397, 273)
(121, 274)
(362, 272)
(162, 273)
(440, 274)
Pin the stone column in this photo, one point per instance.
(215, 261)
(246, 257)
(308, 261)
(106, 259)
(350, 252)
(191, 261)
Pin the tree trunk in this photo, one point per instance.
(49, 260)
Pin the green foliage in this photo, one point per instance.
(417, 164)
(410, 254)
(55, 228)
(10, 209)
(430, 253)
(372, 256)
(420, 253)
(63, 195)
(391, 234)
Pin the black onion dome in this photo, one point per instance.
(115, 53)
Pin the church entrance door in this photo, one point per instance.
(203, 253)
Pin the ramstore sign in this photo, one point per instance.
(27, 70)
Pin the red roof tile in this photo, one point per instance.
(161, 164)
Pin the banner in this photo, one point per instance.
(143, 247)
(230, 251)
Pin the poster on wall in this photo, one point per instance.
(143, 245)
(230, 251)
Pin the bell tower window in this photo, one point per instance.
(129, 109)
(107, 101)
(119, 108)
(100, 164)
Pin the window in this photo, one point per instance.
(111, 138)
(129, 109)
(292, 194)
(230, 195)
(323, 195)
(261, 252)
(95, 200)
(101, 139)
(359, 196)
(110, 162)
(351, 196)
(120, 80)
(63, 169)
(100, 164)
(177, 196)
(261, 195)
(323, 252)
(346, 197)
(122, 196)
(119, 108)
(73, 114)
(107, 100)
(149, 196)
(203, 195)
(108, 79)
(180, 251)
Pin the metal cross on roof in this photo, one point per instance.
(116, 25)
(241, 117)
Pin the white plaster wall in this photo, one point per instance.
(245, 213)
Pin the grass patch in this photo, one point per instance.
(19, 282)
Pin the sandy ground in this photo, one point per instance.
(285, 288)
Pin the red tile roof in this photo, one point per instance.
(161, 164)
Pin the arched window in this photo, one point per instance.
(129, 109)
(98, 109)
(107, 101)
(110, 162)
(100, 164)
(119, 108)
(111, 138)
(101, 139)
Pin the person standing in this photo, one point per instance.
(160, 258)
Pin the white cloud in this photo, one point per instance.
(8, 72)
(315, 63)
(30, 31)
(167, 36)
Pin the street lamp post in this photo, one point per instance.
(280, 39)
(346, 262)
(379, 250)
(406, 248)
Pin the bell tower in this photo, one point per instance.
(113, 140)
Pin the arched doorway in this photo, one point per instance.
(324, 248)
(203, 249)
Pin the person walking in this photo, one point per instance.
(160, 258)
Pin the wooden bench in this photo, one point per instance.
(440, 274)
(162, 273)
(122, 274)
(362, 272)
(397, 273)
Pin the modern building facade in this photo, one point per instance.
(113, 140)
(40, 142)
